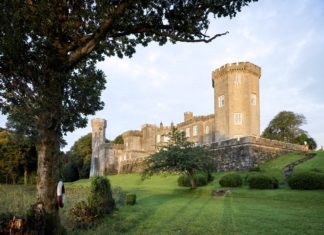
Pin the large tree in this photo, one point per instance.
(48, 52)
(178, 155)
(286, 126)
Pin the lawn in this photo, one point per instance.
(316, 163)
(164, 208)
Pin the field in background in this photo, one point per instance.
(164, 208)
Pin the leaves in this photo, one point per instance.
(177, 156)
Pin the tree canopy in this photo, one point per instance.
(178, 155)
(78, 159)
(286, 126)
(18, 158)
(48, 50)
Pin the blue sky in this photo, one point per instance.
(285, 38)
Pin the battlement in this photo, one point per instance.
(148, 126)
(132, 133)
(196, 119)
(240, 66)
(98, 123)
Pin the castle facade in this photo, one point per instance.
(236, 115)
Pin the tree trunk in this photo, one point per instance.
(192, 180)
(47, 178)
(25, 176)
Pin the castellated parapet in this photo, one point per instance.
(236, 100)
(231, 133)
(240, 66)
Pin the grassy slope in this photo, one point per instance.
(317, 162)
(165, 208)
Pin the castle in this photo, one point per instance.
(236, 116)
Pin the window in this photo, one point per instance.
(221, 101)
(237, 79)
(207, 130)
(238, 118)
(187, 132)
(195, 131)
(253, 99)
(158, 139)
(166, 138)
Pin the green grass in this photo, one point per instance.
(314, 163)
(164, 208)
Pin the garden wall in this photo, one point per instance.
(247, 152)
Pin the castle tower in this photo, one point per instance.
(236, 100)
(98, 138)
(149, 137)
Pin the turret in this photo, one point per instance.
(98, 138)
(236, 100)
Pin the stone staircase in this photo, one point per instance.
(290, 168)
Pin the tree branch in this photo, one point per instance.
(93, 41)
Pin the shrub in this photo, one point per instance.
(100, 202)
(119, 196)
(100, 197)
(83, 215)
(231, 180)
(306, 180)
(200, 179)
(131, 199)
(263, 182)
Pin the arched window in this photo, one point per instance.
(207, 130)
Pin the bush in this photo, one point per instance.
(70, 172)
(200, 179)
(263, 182)
(100, 202)
(119, 195)
(83, 215)
(231, 180)
(131, 199)
(306, 180)
(101, 196)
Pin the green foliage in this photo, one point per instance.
(101, 196)
(70, 172)
(259, 181)
(285, 126)
(178, 155)
(100, 202)
(119, 140)
(119, 196)
(83, 215)
(306, 180)
(159, 199)
(49, 81)
(131, 199)
(17, 158)
(201, 179)
(79, 157)
(231, 180)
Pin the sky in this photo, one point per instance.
(285, 38)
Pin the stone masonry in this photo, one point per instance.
(231, 133)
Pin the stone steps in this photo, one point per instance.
(290, 168)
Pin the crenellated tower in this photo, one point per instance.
(98, 138)
(236, 100)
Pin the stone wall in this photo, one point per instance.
(247, 152)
